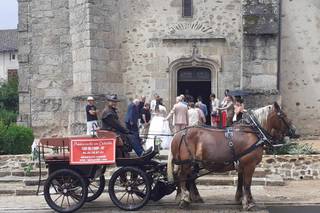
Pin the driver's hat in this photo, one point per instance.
(113, 98)
(90, 98)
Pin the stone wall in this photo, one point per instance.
(151, 43)
(69, 49)
(300, 64)
(292, 167)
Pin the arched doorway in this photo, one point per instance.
(203, 79)
(195, 82)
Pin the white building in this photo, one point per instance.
(8, 54)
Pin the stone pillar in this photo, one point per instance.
(24, 47)
(300, 64)
(260, 50)
(106, 76)
(95, 56)
(79, 18)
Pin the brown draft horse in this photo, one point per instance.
(239, 147)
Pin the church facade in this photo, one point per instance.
(69, 49)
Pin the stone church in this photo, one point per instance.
(69, 49)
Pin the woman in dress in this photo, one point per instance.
(214, 110)
(159, 127)
(227, 109)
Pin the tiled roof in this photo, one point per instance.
(8, 40)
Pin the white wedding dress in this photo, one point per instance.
(159, 128)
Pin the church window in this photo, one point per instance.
(187, 8)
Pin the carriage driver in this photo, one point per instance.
(110, 122)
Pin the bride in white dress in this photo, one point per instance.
(159, 125)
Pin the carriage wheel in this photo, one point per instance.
(95, 188)
(129, 188)
(65, 191)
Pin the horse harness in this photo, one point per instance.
(229, 133)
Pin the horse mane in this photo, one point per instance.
(262, 114)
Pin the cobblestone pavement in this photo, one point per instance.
(217, 199)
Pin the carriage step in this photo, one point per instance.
(274, 180)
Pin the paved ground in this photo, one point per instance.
(295, 195)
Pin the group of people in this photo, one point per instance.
(227, 112)
(151, 120)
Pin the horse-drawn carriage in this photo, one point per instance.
(74, 179)
(76, 167)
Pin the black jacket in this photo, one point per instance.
(110, 121)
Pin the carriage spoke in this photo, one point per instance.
(75, 188)
(74, 199)
(91, 190)
(133, 199)
(68, 201)
(128, 197)
(94, 185)
(54, 186)
(62, 201)
(58, 197)
(75, 196)
(123, 196)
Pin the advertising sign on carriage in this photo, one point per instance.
(92, 151)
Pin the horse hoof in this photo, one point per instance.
(183, 204)
(249, 206)
(238, 199)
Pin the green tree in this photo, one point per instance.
(9, 97)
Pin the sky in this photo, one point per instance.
(8, 14)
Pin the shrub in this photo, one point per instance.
(8, 117)
(293, 149)
(15, 139)
(9, 96)
(3, 131)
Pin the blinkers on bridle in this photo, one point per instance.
(291, 130)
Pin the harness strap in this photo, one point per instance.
(254, 146)
(229, 135)
(182, 137)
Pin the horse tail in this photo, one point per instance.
(170, 165)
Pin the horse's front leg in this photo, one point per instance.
(194, 193)
(239, 193)
(248, 202)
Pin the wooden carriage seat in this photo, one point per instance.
(62, 146)
(110, 134)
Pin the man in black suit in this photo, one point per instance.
(110, 121)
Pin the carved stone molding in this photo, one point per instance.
(214, 65)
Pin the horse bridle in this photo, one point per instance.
(262, 134)
(291, 131)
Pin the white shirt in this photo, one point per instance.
(214, 104)
(193, 115)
